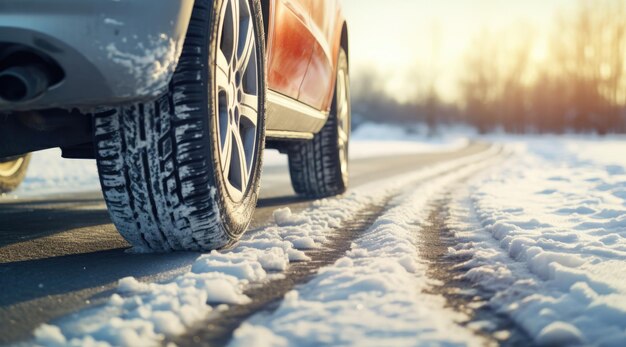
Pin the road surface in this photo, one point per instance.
(59, 254)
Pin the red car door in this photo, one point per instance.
(290, 45)
(318, 83)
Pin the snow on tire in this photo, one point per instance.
(168, 178)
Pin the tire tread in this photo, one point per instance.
(153, 164)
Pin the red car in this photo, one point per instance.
(176, 100)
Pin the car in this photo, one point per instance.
(176, 101)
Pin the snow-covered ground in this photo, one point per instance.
(547, 233)
(544, 231)
(380, 278)
(375, 295)
(373, 140)
(48, 173)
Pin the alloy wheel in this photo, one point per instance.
(237, 91)
(343, 120)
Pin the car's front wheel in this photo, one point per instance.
(182, 172)
(12, 172)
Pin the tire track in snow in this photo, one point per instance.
(189, 310)
(460, 293)
(380, 283)
(219, 328)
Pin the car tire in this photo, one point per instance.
(319, 167)
(12, 173)
(181, 173)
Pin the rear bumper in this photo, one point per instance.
(111, 51)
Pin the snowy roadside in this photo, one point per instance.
(51, 174)
(372, 140)
(375, 140)
(146, 313)
(48, 173)
(547, 235)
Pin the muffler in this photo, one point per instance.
(23, 82)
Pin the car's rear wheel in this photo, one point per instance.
(182, 172)
(319, 168)
(12, 172)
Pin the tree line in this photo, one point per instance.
(578, 86)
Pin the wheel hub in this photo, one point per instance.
(237, 91)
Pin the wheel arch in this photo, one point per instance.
(266, 9)
(345, 42)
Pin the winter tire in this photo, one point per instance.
(12, 173)
(182, 172)
(319, 168)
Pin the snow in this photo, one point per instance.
(248, 335)
(111, 21)
(151, 60)
(148, 312)
(48, 173)
(284, 217)
(547, 233)
(374, 295)
(560, 333)
(375, 140)
(544, 232)
(372, 140)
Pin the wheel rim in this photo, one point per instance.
(9, 168)
(343, 121)
(237, 93)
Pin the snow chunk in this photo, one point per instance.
(129, 285)
(284, 217)
(304, 243)
(49, 335)
(248, 335)
(560, 334)
(111, 21)
(239, 268)
(276, 259)
(542, 263)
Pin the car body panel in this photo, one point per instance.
(289, 47)
(304, 32)
(116, 52)
(111, 51)
(326, 25)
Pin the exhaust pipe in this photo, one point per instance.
(23, 83)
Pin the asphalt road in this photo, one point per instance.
(61, 253)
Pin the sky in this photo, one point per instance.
(415, 41)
